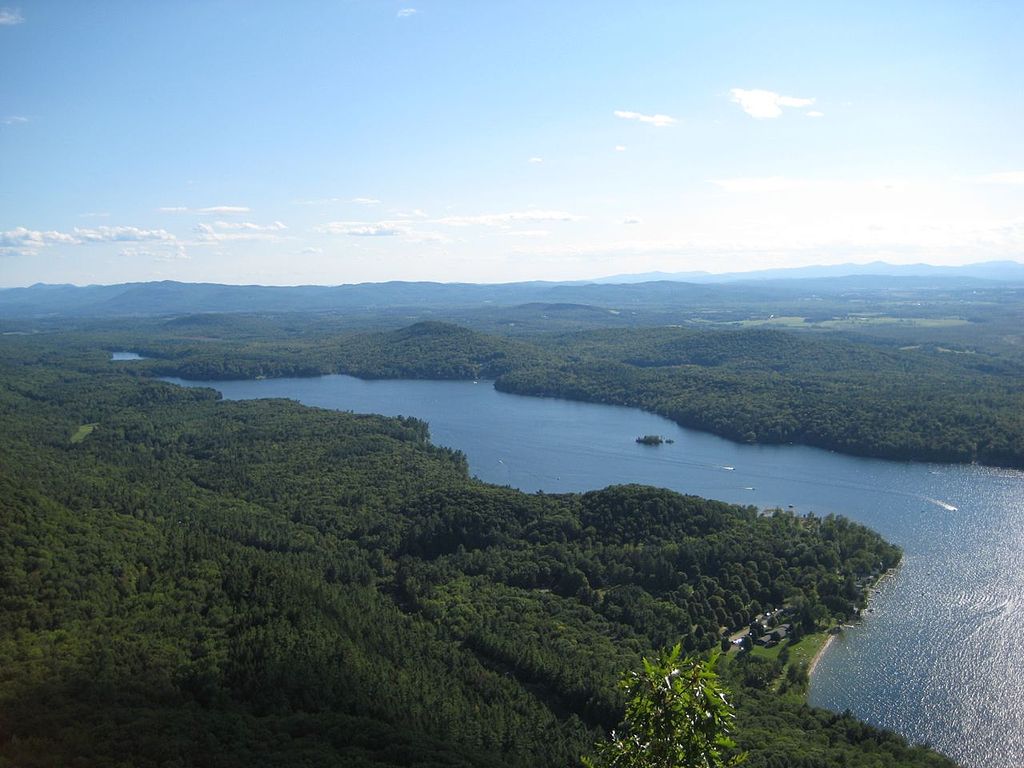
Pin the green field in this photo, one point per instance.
(82, 432)
(804, 651)
(800, 653)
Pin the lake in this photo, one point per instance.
(935, 658)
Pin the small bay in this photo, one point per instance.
(935, 658)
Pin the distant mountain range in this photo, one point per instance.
(169, 297)
(988, 270)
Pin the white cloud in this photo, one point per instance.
(10, 16)
(405, 13)
(814, 113)
(135, 253)
(179, 254)
(224, 209)
(27, 242)
(20, 237)
(405, 229)
(207, 233)
(120, 234)
(174, 254)
(658, 121)
(329, 200)
(248, 226)
(620, 147)
(14, 120)
(375, 230)
(319, 201)
(227, 231)
(632, 220)
(1003, 177)
(415, 213)
(765, 104)
(507, 219)
(363, 228)
(536, 160)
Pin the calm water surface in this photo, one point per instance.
(937, 659)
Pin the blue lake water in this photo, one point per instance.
(937, 657)
(126, 356)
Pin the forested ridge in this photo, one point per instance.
(423, 350)
(921, 402)
(198, 582)
(772, 386)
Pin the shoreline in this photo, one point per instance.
(870, 593)
(865, 454)
(817, 657)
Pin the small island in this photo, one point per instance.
(653, 440)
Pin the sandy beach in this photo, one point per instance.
(819, 654)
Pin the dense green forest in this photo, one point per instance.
(187, 581)
(754, 384)
(770, 386)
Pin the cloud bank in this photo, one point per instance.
(22, 241)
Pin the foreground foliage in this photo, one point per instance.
(206, 583)
(677, 716)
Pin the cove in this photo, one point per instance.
(937, 657)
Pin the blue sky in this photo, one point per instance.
(338, 142)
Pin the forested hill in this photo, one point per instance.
(425, 350)
(170, 297)
(922, 402)
(768, 386)
(187, 581)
